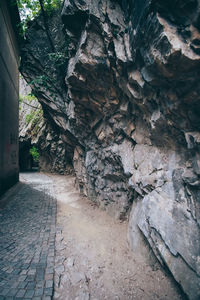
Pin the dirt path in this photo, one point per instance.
(93, 260)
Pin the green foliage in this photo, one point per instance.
(34, 116)
(29, 9)
(29, 117)
(35, 154)
(36, 113)
(54, 63)
(21, 99)
(28, 99)
(58, 58)
(41, 80)
(37, 117)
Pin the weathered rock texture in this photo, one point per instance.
(122, 85)
(35, 130)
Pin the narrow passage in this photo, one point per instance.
(84, 256)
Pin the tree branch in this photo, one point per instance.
(36, 107)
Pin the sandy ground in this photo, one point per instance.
(93, 259)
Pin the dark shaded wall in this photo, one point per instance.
(9, 89)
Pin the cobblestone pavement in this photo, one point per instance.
(27, 239)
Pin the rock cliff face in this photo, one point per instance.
(36, 131)
(122, 86)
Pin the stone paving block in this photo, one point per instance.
(32, 272)
(40, 269)
(39, 277)
(29, 293)
(30, 278)
(22, 284)
(20, 293)
(12, 292)
(23, 272)
(34, 264)
(22, 277)
(46, 298)
(39, 284)
(2, 283)
(39, 292)
(49, 284)
(50, 265)
(4, 292)
(16, 271)
(31, 285)
(48, 291)
(49, 277)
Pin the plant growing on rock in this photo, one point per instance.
(29, 9)
(35, 154)
(58, 58)
(41, 13)
(35, 115)
(41, 80)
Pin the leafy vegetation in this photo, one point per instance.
(35, 154)
(34, 117)
(21, 99)
(55, 57)
(30, 97)
(29, 9)
(27, 100)
(41, 80)
(36, 112)
(58, 58)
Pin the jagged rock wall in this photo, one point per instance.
(125, 97)
(35, 130)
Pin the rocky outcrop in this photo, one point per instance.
(36, 131)
(122, 87)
